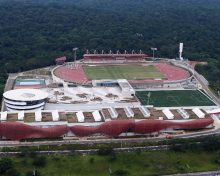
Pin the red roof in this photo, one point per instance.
(114, 55)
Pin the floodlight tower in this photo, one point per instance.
(153, 49)
(74, 50)
(181, 51)
(148, 98)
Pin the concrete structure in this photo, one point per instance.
(198, 112)
(24, 99)
(126, 88)
(144, 111)
(168, 114)
(183, 113)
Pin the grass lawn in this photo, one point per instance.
(174, 98)
(138, 163)
(122, 72)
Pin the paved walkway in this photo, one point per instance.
(86, 107)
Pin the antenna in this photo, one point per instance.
(74, 50)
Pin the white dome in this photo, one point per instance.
(25, 95)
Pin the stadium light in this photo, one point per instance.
(153, 49)
(148, 98)
(74, 50)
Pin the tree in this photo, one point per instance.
(7, 167)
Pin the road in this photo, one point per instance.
(206, 88)
(210, 173)
(86, 151)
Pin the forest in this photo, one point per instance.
(34, 32)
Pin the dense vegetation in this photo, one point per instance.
(33, 33)
(184, 155)
(211, 72)
(113, 164)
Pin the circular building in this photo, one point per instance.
(25, 99)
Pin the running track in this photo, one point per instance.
(77, 74)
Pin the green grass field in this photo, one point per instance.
(174, 98)
(122, 72)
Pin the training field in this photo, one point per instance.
(129, 72)
(174, 98)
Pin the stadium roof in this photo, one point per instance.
(114, 55)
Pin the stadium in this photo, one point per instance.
(131, 67)
(107, 96)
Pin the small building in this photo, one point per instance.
(97, 116)
(183, 113)
(144, 111)
(60, 60)
(168, 114)
(25, 99)
(198, 113)
(105, 83)
(80, 117)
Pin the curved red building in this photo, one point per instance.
(18, 131)
(113, 128)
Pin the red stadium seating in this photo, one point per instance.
(113, 57)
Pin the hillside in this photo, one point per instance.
(35, 32)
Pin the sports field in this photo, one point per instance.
(174, 98)
(129, 72)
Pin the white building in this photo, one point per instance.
(25, 99)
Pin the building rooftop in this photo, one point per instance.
(25, 95)
(93, 116)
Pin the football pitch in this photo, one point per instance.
(129, 72)
(174, 98)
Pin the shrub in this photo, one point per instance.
(120, 172)
(91, 160)
(39, 161)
